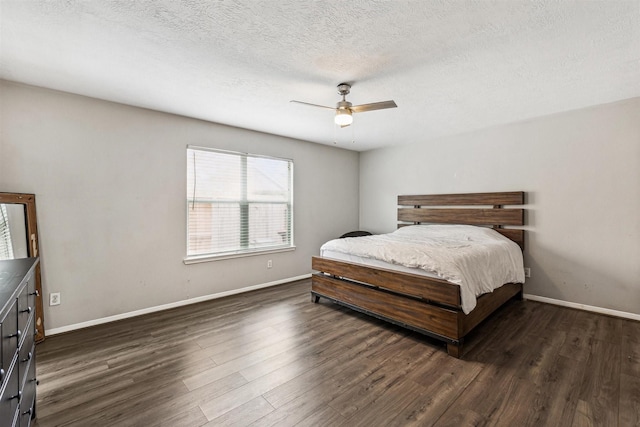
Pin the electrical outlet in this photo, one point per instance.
(54, 298)
(269, 264)
(527, 272)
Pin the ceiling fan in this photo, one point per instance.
(344, 109)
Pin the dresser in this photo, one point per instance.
(17, 346)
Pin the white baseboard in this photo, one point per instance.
(189, 301)
(584, 307)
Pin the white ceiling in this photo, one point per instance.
(451, 66)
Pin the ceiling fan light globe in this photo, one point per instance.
(343, 118)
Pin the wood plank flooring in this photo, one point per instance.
(273, 358)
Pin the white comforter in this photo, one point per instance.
(476, 258)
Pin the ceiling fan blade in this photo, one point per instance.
(373, 106)
(313, 105)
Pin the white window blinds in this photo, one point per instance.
(237, 203)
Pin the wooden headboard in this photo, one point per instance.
(464, 209)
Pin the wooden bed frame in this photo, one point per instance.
(430, 306)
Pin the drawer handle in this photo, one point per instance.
(29, 411)
(29, 356)
(17, 396)
(17, 334)
(27, 310)
(36, 293)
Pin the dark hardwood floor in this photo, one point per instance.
(271, 357)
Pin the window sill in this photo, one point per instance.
(209, 258)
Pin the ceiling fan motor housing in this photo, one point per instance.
(343, 105)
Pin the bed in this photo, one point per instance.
(425, 303)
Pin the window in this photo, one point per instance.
(237, 203)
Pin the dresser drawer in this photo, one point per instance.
(9, 398)
(9, 340)
(28, 401)
(26, 304)
(27, 354)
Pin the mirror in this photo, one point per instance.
(13, 231)
(19, 239)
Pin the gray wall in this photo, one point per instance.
(581, 172)
(110, 190)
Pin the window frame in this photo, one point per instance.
(192, 259)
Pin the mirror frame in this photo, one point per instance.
(29, 201)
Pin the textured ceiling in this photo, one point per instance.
(451, 66)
